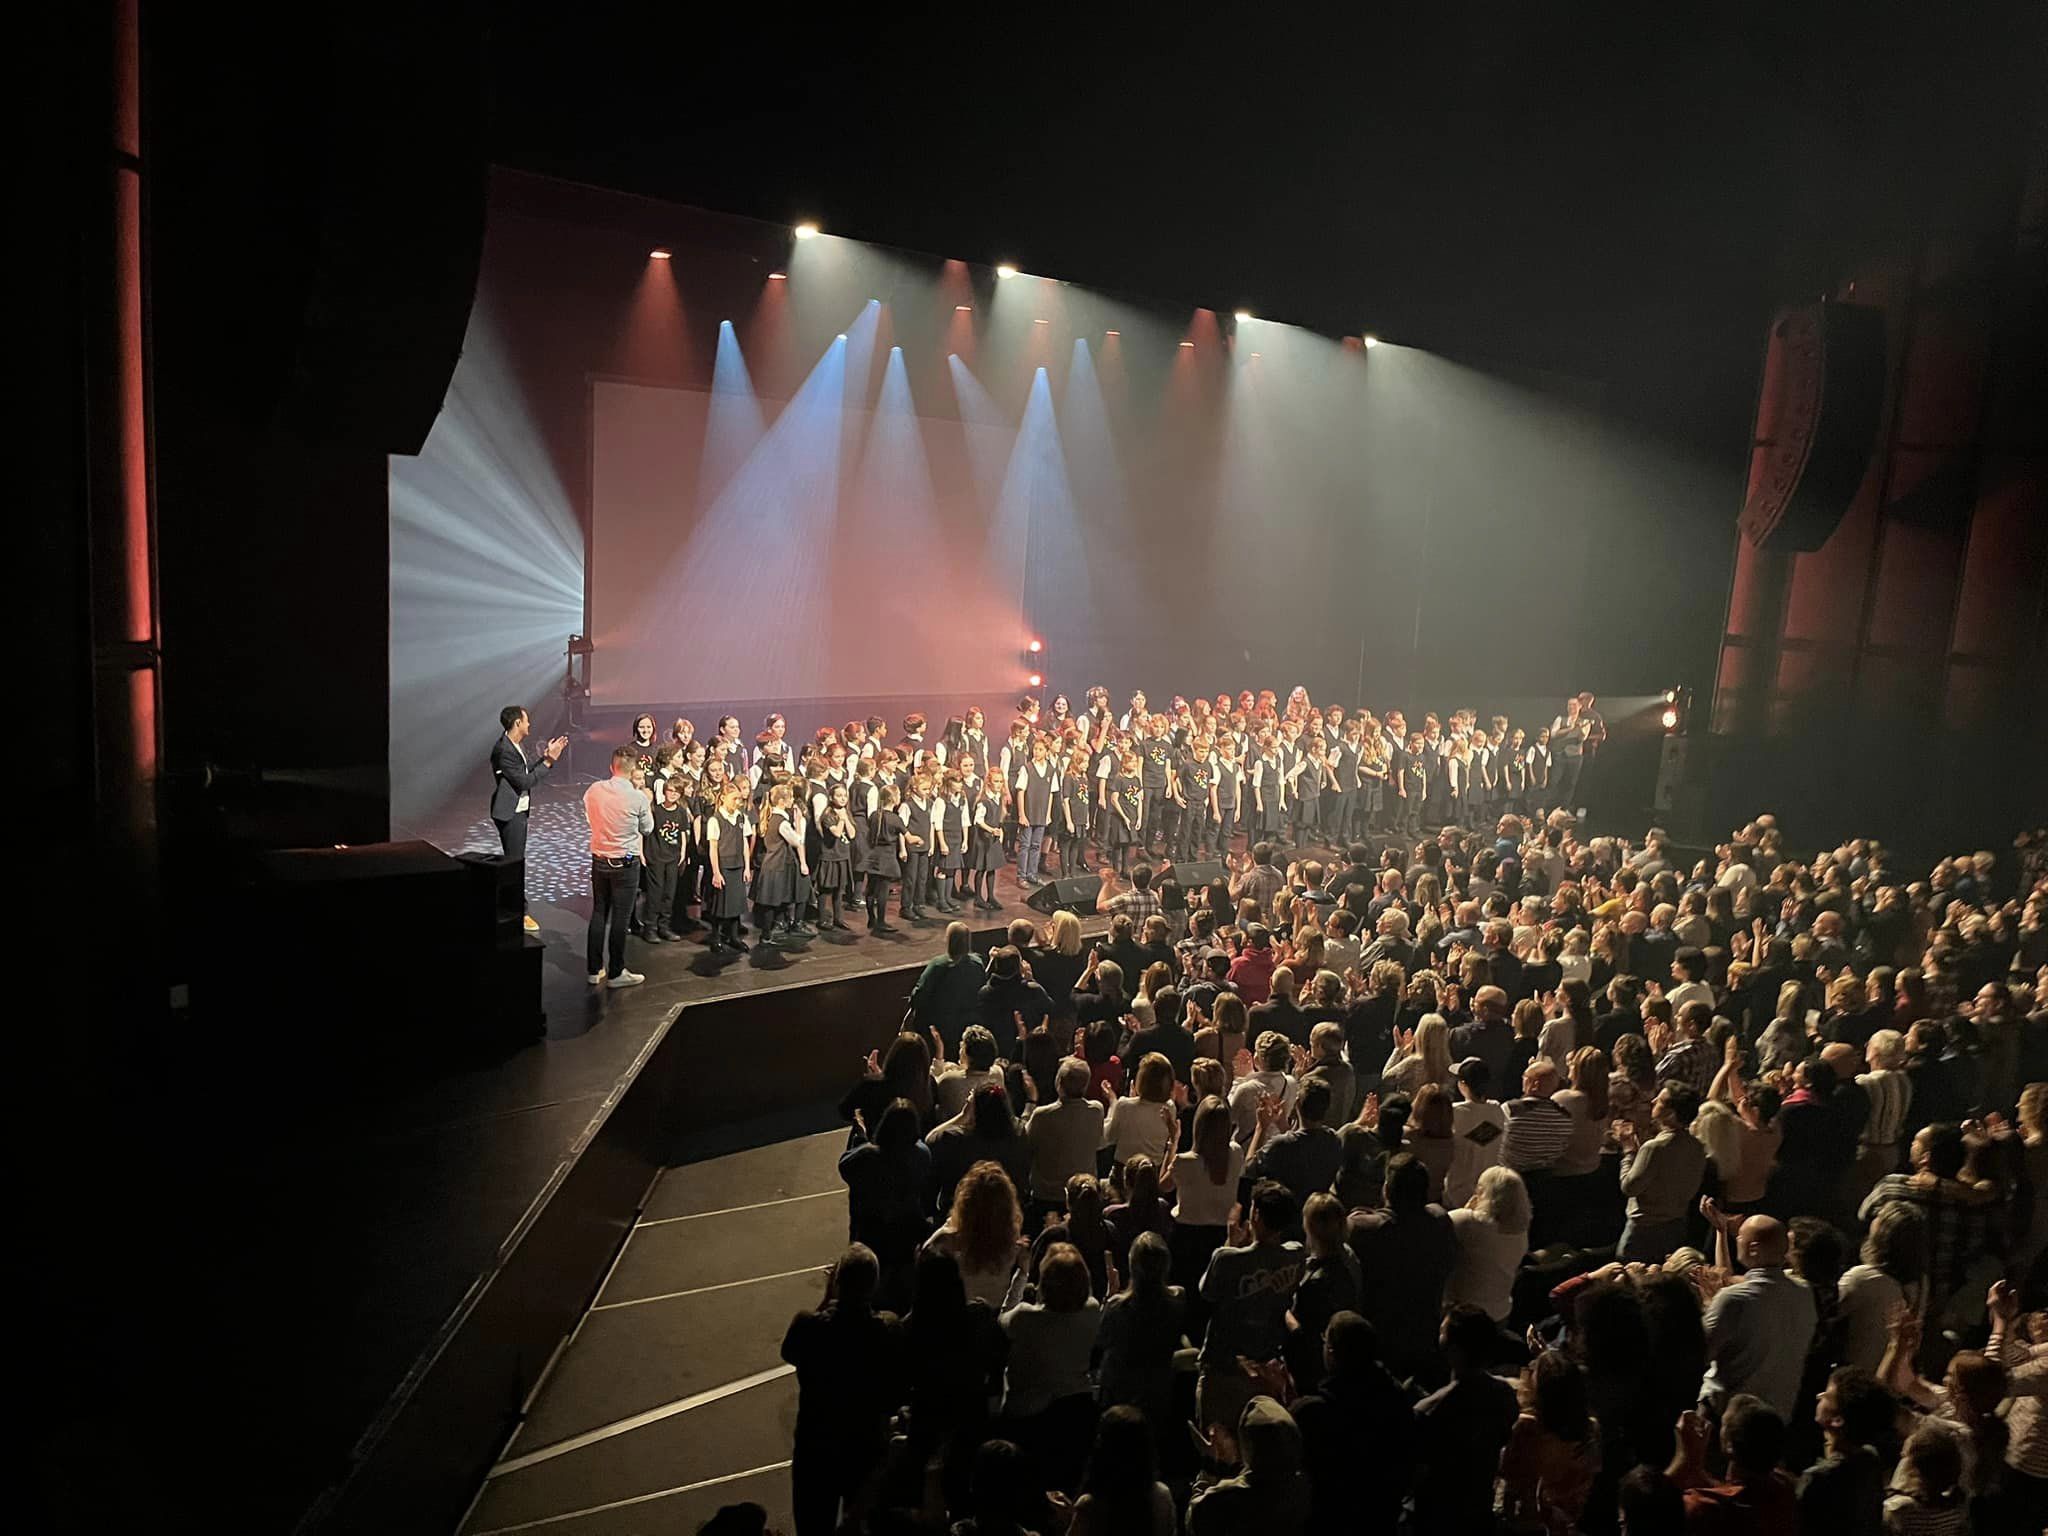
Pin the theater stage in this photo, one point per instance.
(514, 1185)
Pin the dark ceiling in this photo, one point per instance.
(1619, 192)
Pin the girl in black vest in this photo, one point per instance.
(1035, 788)
(729, 835)
(1228, 794)
(835, 856)
(775, 886)
(1075, 800)
(985, 848)
(950, 850)
(885, 857)
(917, 845)
(1124, 808)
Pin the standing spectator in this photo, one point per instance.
(1064, 1137)
(1539, 1128)
(1304, 1158)
(1493, 1235)
(1327, 1064)
(1167, 1035)
(953, 1084)
(1405, 1256)
(1661, 1176)
(1358, 1416)
(947, 993)
(849, 1369)
(1057, 963)
(983, 1233)
(1890, 1092)
(1330, 1283)
(1010, 1003)
(1553, 1454)
(1048, 1400)
(1247, 1286)
(1759, 1327)
(889, 1192)
(1478, 1125)
(1464, 1427)
(1687, 1057)
(1205, 1180)
(1959, 1216)
(1489, 1036)
(1251, 973)
(1758, 1498)
(1141, 1332)
(1843, 1493)
(1144, 1123)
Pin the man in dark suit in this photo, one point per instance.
(514, 777)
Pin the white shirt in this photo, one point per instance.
(1689, 992)
(524, 799)
(1198, 1201)
(619, 816)
(1484, 1271)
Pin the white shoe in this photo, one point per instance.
(626, 979)
(597, 978)
(531, 925)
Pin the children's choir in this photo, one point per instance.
(792, 833)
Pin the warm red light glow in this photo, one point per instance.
(659, 253)
(1036, 646)
(1036, 681)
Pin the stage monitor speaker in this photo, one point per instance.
(1076, 894)
(498, 886)
(1198, 872)
(1816, 423)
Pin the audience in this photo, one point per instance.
(1248, 1309)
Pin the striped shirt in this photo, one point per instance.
(1692, 1062)
(1538, 1132)
(1891, 1094)
(2026, 1419)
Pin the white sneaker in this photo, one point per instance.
(597, 978)
(626, 979)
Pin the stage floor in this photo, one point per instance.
(418, 1191)
(672, 1399)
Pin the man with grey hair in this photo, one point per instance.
(1064, 1136)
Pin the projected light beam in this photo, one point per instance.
(486, 580)
(1036, 501)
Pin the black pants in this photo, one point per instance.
(660, 893)
(1564, 782)
(1162, 821)
(1226, 829)
(613, 884)
(1194, 832)
(512, 838)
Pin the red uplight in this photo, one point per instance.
(1037, 646)
(659, 253)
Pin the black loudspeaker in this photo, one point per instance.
(1076, 894)
(1198, 873)
(499, 888)
(1816, 423)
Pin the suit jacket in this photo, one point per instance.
(512, 776)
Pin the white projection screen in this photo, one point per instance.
(798, 550)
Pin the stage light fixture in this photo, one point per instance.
(806, 230)
(840, 337)
(1670, 695)
(1112, 333)
(1243, 315)
(778, 277)
(1187, 343)
(1041, 322)
(659, 253)
(1036, 680)
(963, 309)
(1670, 717)
(1005, 270)
(1369, 339)
(1035, 647)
